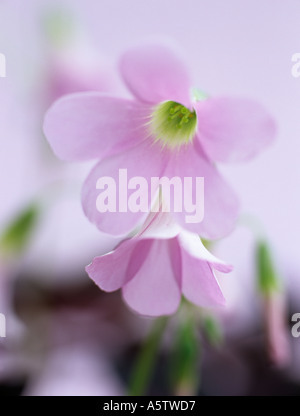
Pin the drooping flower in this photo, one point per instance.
(72, 63)
(41, 178)
(163, 131)
(157, 266)
(274, 306)
(277, 332)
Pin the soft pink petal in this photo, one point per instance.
(145, 160)
(155, 289)
(112, 271)
(193, 245)
(220, 202)
(154, 73)
(160, 225)
(233, 129)
(92, 125)
(199, 284)
(109, 271)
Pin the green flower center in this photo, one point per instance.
(173, 124)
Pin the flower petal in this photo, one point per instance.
(154, 74)
(199, 284)
(113, 270)
(92, 125)
(144, 161)
(193, 245)
(220, 202)
(233, 129)
(155, 290)
(109, 271)
(160, 225)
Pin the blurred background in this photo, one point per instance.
(63, 335)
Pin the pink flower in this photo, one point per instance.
(161, 132)
(278, 337)
(75, 66)
(159, 265)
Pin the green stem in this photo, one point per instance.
(144, 366)
(185, 355)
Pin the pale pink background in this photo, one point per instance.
(232, 47)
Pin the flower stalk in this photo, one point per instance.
(145, 364)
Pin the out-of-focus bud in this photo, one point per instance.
(73, 65)
(274, 307)
(268, 280)
(17, 234)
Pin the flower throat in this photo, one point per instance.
(173, 124)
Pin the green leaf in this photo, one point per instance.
(16, 236)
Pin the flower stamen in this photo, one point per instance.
(173, 124)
